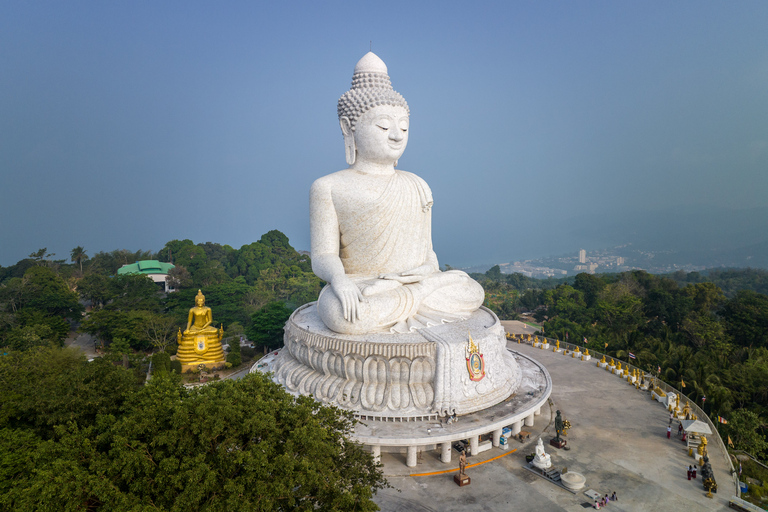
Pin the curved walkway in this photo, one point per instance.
(617, 439)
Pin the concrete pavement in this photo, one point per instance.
(618, 441)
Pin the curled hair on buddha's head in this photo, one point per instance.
(371, 87)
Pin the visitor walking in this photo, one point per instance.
(669, 432)
(614, 497)
(690, 471)
(679, 429)
(694, 472)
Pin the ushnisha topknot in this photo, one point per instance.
(371, 87)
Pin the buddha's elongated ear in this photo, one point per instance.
(349, 140)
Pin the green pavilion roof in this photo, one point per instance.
(146, 267)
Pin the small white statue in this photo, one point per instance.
(542, 459)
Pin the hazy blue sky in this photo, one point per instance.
(128, 124)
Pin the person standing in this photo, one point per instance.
(694, 472)
(614, 497)
(669, 432)
(690, 471)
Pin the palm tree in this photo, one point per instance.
(78, 255)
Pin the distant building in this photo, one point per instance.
(619, 261)
(156, 270)
(582, 256)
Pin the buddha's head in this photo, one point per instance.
(199, 299)
(372, 115)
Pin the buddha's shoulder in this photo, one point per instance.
(414, 177)
(329, 181)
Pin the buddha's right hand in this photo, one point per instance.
(350, 297)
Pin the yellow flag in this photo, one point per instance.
(606, 345)
(730, 443)
(682, 382)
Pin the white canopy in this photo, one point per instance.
(696, 426)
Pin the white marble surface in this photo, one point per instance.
(385, 375)
(371, 224)
(573, 481)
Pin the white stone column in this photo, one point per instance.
(376, 451)
(410, 459)
(516, 427)
(537, 412)
(529, 421)
(473, 442)
(496, 438)
(445, 452)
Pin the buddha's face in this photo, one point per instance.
(381, 134)
(199, 302)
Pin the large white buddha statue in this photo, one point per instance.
(371, 224)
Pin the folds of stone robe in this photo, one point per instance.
(394, 235)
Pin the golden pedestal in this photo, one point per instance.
(201, 348)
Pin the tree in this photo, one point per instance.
(745, 431)
(590, 286)
(160, 330)
(266, 329)
(746, 318)
(234, 357)
(232, 445)
(47, 387)
(78, 256)
(179, 278)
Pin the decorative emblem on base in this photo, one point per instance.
(475, 361)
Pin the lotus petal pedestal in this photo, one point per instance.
(417, 375)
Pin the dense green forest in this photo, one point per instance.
(92, 436)
(42, 298)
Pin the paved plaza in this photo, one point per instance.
(618, 442)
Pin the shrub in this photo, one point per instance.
(247, 353)
(234, 359)
(176, 366)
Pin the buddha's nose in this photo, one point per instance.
(396, 134)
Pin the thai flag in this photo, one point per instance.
(703, 399)
(632, 356)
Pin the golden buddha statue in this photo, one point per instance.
(602, 361)
(702, 450)
(201, 342)
(586, 352)
(618, 366)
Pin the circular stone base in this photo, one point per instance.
(450, 369)
(532, 394)
(396, 435)
(572, 480)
